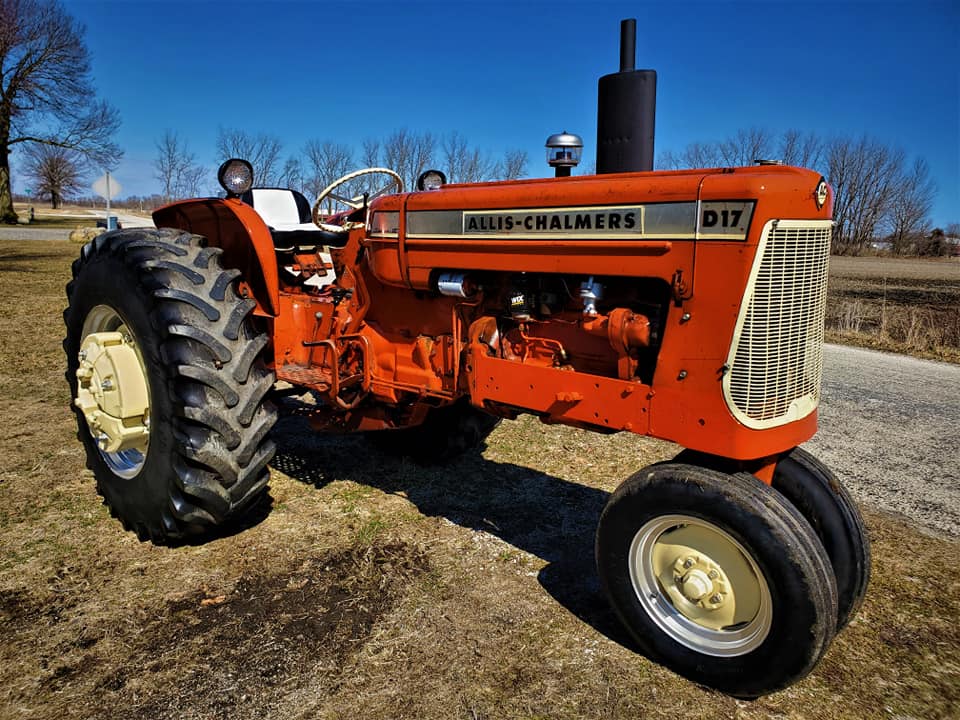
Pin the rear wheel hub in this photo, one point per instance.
(112, 391)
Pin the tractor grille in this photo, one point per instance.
(776, 360)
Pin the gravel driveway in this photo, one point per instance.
(889, 428)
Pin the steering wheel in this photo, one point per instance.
(354, 203)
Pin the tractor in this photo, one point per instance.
(684, 305)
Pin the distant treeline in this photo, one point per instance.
(882, 198)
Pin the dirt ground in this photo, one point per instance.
(374, 588)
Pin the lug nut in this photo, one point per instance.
(713, 574)
(82, 355)
(688, 563)
(106, 385)
(715, 598)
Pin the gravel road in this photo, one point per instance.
(889, 429)
(25, 232)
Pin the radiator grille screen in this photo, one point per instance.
(776, 362)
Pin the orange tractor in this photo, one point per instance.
(686, 305)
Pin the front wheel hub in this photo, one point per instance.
(700, 586)
(112, 392)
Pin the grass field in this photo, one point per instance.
(375, 588)
(907, 306)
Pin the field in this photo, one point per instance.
(374, 588)
(908, 306)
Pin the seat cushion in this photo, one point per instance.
(287, 214)
(279, 206)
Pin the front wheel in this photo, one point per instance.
(717, 577)
(817, 493)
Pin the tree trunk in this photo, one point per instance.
(7, 215)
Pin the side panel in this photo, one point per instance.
(235, 227)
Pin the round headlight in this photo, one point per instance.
(431, 180)
(821, 193)
(235, 176)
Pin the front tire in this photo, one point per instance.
(717, 577)
(817, 493)
(204, 459)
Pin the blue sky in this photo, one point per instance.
(506, 75)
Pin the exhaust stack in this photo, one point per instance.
(626, 111)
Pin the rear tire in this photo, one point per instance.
(206, 456)
(447, 433)
(717, 577)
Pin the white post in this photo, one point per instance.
(108, 201)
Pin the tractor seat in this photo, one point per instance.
(287, 214)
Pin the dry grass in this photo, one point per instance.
(375, 588)
(899, 305)
(68, 216)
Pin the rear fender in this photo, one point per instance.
(245, 239)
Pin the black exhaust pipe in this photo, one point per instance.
(626, 111)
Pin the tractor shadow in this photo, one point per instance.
(546, 516)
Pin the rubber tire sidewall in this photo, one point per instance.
(834, 516)
(781, 544)
(107, 280)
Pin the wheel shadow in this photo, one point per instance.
(546, 516)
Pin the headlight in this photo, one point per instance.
(431, 180)
(235, 176)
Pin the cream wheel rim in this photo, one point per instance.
(113, 391)
(700, 586)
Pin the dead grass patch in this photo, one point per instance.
(898, 305)
(376, 588)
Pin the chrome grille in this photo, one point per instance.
(776, 359)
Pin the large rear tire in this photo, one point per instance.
(202, 460)
(717, 577)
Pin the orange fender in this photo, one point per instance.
(245, 239)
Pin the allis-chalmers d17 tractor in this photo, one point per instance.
(683, 305)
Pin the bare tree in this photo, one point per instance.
(801, 150)
(465, 164)
(56, 173)
(409, 154)
(46, 96)
(738, 150)
(176, 168)
(695, 155)
(326, 161)
(371, 152)
(863, 174)
(513, 165)
(746, 146)
(292, 174)
(909, 207)
(261, 150)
